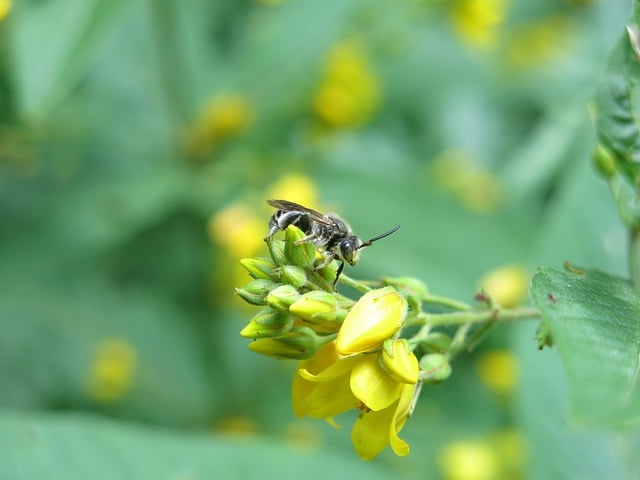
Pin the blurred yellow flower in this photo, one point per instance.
(478, 21)
(472, 460)
(239, 229)
(506, 285)
(498, 370)
(349, 92)
(237, 427)
(223, 116)
(538, 42)
(294, 187)
(5, 6)
(112, 370)
(478, 190)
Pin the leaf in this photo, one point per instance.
(595, 323)
(83, 446)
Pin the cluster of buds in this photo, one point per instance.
(300, 311)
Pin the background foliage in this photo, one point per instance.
(138, 142)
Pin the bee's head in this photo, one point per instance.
(350, 249)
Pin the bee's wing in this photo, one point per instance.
(287, 206)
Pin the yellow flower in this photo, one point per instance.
(374, 318)
(498, 370)
(323, 391)
(5, 6)
(343, 375)
(506, 285)
(112, 370)
(478, 21)
(239, 229)
(224, 116)
(349, 93)
(373, 431)
(468, 461)
(295, 188)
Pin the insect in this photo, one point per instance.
(328, 232)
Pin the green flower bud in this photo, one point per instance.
(259, 268)
(293, 276)
(267, 323)
(276, 251)
(604, 161)
(316, 306)
(434, 368)
(255, 292)
(329, 272)
(397, 359)
(282, 297)
(436, 342)
(299, 254)
(298, 344)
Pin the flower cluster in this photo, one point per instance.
(350, 356)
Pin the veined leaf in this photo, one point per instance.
(594, 319)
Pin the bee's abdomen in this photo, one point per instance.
(282, 219)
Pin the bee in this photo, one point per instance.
(329, 233)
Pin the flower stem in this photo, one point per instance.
(354, 283)
(496, 314)
(446, 302)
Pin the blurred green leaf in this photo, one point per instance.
(55, 43)
(595, 323)
(82, 446)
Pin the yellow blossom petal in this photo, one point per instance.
(399, 361)
(322, 391)
(469, 461)
(374, 318)
(372, 385)
(373, 431)
(5, 6)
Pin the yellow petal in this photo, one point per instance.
(372, 385)
(374, 318)
(329, 399)
(370, 433)
(399, 446)
(399, 361)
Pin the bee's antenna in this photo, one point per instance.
(375, 239)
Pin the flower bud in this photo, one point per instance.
(267, 323)
(255, 292)
(293, 275)
(259, 268)
(374, 318)
(299, 254)
(276, 251)
(434, 368)
(435, 342)
(397, 359)
(299, 343)
(282, 297)
(316, 306)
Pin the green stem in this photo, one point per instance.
(354, 283)
(461, 318)
(446, 302)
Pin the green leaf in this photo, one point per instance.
(595, 323)
(83, 446)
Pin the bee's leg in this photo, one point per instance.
(328, 258)
(338, 273)
(307, 239)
